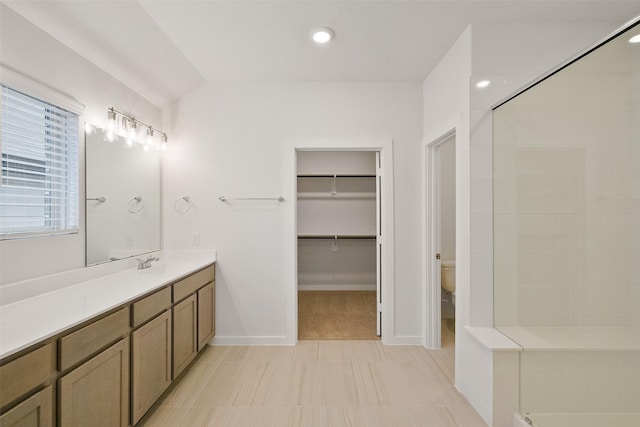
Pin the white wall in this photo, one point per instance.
(508, 55)
(446, 106)
(231, 141)
(28, 50)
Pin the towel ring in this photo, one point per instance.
(130, 205)
(187, 203)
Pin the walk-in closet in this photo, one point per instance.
(338, 247)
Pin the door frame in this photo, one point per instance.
(385, 148)
(430, 223)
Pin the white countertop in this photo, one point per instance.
(31, 320)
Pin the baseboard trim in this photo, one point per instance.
(251, 341)
(283, 340)
(403, 340)
(337, 287)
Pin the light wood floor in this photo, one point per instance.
(318, 383)
(337, 315)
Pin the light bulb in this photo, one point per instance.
(88, 128)
(133, 132)
(110, 136)
(483, 84)
(163, 147)
(149, 136)
(635, 39)
(111, 120)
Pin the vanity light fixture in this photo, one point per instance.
(130, 129)
(322, 35)
(133, 133)
(635, 39)
(163, 146)
(483, 84)
(111, 119)
(149, 142)
(111, 124)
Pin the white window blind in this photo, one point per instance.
(39, 186)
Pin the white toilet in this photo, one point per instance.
(448, 277)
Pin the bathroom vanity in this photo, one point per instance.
(105, 349)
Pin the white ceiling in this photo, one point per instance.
(164, 48)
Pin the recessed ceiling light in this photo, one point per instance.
(322, 35)
(635, 39)
(482, 84)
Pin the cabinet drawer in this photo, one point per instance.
(25, 374)
(189, 285)
(150, 306)
(36, 411)
(84, 342)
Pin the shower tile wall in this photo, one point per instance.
(567, 203)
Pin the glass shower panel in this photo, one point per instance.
(567, 235)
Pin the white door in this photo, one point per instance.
(378, 245)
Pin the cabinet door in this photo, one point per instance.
(206, 315)
(185, 336)
(33, 412)
(97, 392)
(150, 364)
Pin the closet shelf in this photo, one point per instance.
(336, 236)
(327, 195)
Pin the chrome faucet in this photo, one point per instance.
(146, 263)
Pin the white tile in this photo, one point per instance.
(504, 162)
(544, 266)
(505, 234)
(505, 196)
(544, 305)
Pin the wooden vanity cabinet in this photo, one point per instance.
(151, 349)
(36, 411)
(26, 395)
(185, 335)
(110, 370)
(192, 321)
(206, 314)
(87, 341)
(97, 392)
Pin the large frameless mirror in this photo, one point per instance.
(123, 216)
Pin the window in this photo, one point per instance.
(39, 185)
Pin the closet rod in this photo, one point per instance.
(336, 237)
(336, 176)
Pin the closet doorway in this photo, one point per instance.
(339, 245)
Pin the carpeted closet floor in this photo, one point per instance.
(337, 315)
